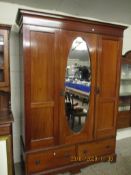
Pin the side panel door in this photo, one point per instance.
(41, 87)
(107, 88)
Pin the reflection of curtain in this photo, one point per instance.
(3, 158)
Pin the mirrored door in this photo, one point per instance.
(77, 84)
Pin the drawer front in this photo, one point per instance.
(41, 161)
(98, 148)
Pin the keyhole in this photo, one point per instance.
(37, 162)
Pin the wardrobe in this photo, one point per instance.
(49, 145)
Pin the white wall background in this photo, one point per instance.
(7, 16)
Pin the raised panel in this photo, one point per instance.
(40, 87)
(42, 66)
(106, 119)
(108, 65)
(4, 102)
(108, 75)
(42, 123)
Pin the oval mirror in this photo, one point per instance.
(77, 85)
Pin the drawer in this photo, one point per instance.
(97, 148)
(41, 161)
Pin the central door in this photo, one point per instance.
(74, 73)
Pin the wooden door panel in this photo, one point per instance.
(42, 66)
(106, 121)
(107, 115)
(41, 87)
(107, 86)
(108, 67)
(43, 129)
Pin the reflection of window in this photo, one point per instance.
(79, 44)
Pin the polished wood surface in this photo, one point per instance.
(50, 159)
(107, 86)
(4, 102)
(6, 120)
(6, 117)
(40, 86)
(67, 23)
(47, 140)
(96, 149)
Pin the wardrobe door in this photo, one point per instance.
(40, 86)
(107, 88)
(67, 132)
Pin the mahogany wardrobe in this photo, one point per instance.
(49, 142)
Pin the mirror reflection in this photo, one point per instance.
(77, 85)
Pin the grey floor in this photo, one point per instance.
(121, 167)
(18, 169)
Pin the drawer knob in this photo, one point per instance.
(37, 162)
(54, 154)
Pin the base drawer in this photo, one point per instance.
(97, 148)
(41, 161)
